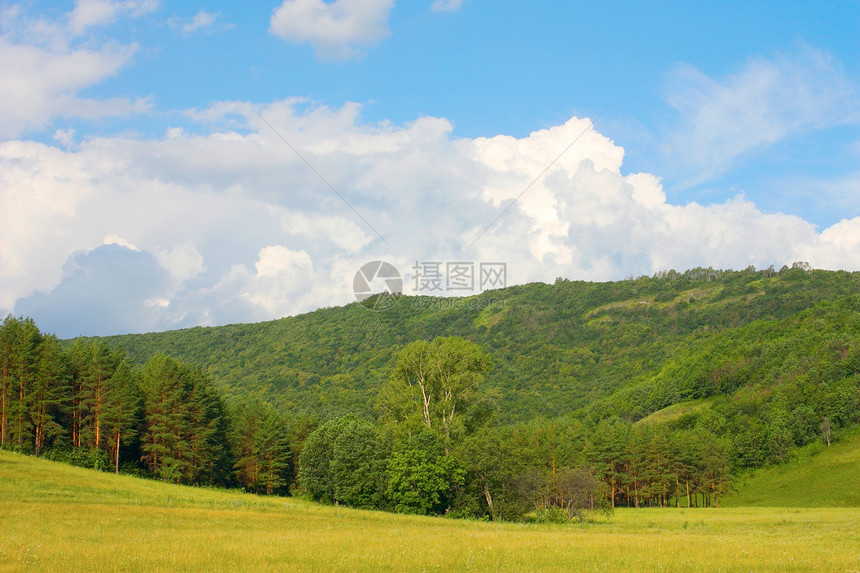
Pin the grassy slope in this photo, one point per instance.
(816, 477)
(675, 411)
(60, 518)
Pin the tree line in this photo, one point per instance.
(89, 404)
(436, 447)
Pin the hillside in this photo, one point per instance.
(61, 518)
(625, 348)
(817, 476)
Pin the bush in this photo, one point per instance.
(92, 459)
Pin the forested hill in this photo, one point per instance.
(626, 348)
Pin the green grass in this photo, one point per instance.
(675, 411)
(817, 476)
(55, 517)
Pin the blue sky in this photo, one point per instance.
(150, 178)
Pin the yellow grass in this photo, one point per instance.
(58, 518)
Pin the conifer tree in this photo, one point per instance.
(123, 409)
(50, 394)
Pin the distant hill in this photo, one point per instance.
(590, 350)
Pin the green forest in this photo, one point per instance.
(536, 402)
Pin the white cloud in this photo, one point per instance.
(281, 283)
(110, 289)
(220, 221)
(182, 261)
(203, 20)
(114, 239)
(336, 30)
(647, 189)
(447, 5)
(274, 260)
(837, 247)
(840, 193)
(64, 137)
(41, 73)
(89, 13)
(234, 227)
(722, 121)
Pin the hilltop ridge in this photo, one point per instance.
(557, 350)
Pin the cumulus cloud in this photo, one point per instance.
(110, 289)
(42, 71)
(836, 247)
(280, 282)
(336, 30)
(182, 261)
(723, 120)
(243, 212)
(220, 221)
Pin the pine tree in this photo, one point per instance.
(7, 338)
(123, 408)
(272, 450)
(98, 371)
(78, 356)
(25, 346)
(186, 428)
(165, 390)
(50, 394)
(208, 455)
(246, 418)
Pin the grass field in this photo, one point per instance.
(56, 517)
(817, 476)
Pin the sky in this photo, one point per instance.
(165, 164)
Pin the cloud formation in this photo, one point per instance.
(202, 21)
(723, 121)
(447, 5)
(42, 69)
(229, 225)
(89, 13)
(221, 220)
(336, 30)
(107, 290)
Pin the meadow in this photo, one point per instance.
(60, 518)
(816, 476)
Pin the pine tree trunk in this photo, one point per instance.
(98, 411)
(636, 493)
(21, 386)
(3, 415)
(39, 433)
(689, 499)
